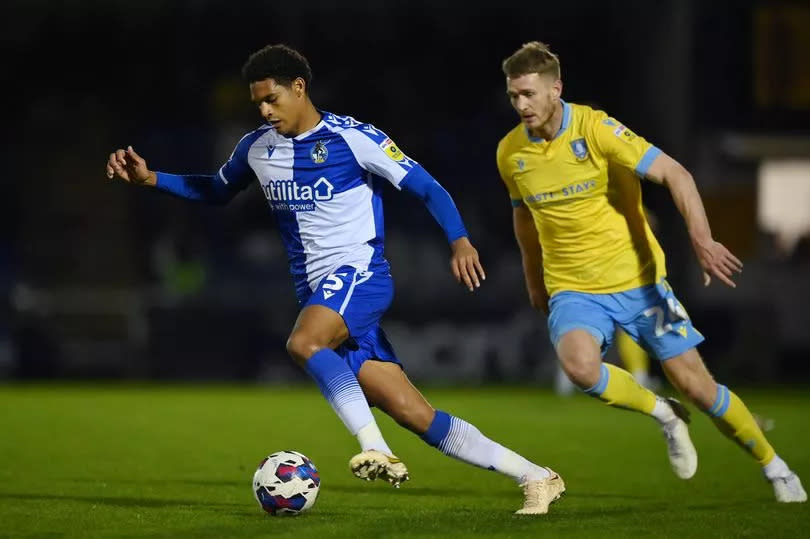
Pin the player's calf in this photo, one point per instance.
(732, 417)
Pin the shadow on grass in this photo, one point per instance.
(719, 506)
(116, 501)
(164, 481)
(607, 496)
(359, 487)
(405, 490)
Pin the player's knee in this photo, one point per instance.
(581, 370)
(580, 358)
(301, 347)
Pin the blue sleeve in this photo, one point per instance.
(202, 187)
(219, 188)
(438, 201)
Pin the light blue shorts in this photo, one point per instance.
(361, 298)
(651, 315)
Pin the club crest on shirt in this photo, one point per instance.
(580, 149)
(521, 164)
(392, 150)
(319, 153)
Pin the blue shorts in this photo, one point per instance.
(651, 315)
(373, 345)
(361, 298)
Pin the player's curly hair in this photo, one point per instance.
(532, 57)
(279, 62)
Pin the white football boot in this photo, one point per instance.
(540, 493)
(788, 489)
(373, 464)
(681, 450)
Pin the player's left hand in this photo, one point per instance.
(717, 261)
(465, 264)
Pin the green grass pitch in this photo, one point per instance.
(176, 461)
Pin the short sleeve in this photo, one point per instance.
(505, 171)
(622, 146)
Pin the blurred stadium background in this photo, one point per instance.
(106, 281)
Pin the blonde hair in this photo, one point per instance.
(532, 57)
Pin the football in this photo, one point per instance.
(286, 482)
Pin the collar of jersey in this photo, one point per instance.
(317, 127)
(565, 121)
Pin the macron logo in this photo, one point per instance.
(289, 195)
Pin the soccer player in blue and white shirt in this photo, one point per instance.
(323, 176)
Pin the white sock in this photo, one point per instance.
(370, 437)
(776, 468)
(662, 411)
(510, 463)
(457, 438)
(563, 385)
(642, 377)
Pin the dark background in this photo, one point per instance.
(102, 279)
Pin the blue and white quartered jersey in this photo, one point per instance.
(324, 189)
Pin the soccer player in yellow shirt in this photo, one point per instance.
(592, 263)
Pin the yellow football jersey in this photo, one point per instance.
(583, 190)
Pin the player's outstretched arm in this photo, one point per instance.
(532, 256)
(464, 262)
(130, 167)
(715, 259)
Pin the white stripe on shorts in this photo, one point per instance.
(348, 294)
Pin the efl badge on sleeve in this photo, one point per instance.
(580, 149)
(319, 153)
(623, 133)
(392, 150)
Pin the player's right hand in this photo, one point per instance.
(717, 261)
(465, 264)
(539, 299)
(130, 167)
